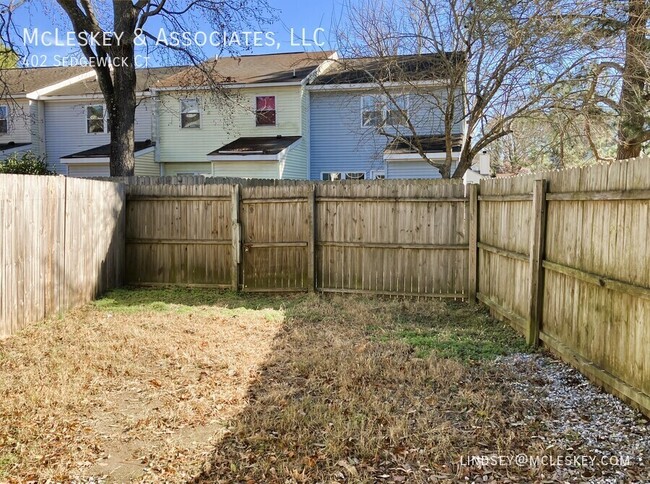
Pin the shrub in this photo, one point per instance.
(25, 164)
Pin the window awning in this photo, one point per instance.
(102, 154)
(407, 147)
(259, 148)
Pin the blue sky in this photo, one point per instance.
(292, 15)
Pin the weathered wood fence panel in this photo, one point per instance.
(401, 238)
(179, 234)
(392, 238)
(62, 244)
(595, 277)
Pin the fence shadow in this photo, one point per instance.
(341, 398)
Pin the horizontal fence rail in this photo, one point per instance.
(397, 238)
(564, 257)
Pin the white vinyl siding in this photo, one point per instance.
(146, 166)
(21, 122)
(89, 170)
(173, 169)
(65, 129)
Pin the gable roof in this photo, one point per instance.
(250, 69)
(401, 68)
(21, 81)
(146, 79)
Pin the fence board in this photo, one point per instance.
(62, 245)
(595, 309)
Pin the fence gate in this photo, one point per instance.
(275, 225)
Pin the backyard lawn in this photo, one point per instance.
(181, 385)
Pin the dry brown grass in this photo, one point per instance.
(339, 401)
(114, 390)
(169, 385)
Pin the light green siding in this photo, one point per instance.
(173, 169)
(223, 122)
(296, 164)
(146, 166)
(247, 169)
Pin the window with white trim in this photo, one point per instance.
(380, 110)
(96, 119)
(190, 113)
(378, 175)
(331, 176)
(265, 114)
(337, 175)
(4, 119)
(355, 175)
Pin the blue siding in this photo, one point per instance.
(340, 144)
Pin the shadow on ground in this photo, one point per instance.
(360, 390)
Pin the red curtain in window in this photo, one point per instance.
(266, 103)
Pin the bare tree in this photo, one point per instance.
(117, 24)
(619, 85)
(500, 60)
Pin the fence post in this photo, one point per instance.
(472, 260)
(236, 237)
(537, 242)
(311, 257)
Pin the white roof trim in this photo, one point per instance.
(251, 157)
(416, 156)
(265, 85)
(39, 93)
(373, 85)
(84, 161)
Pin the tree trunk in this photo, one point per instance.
(122, 122)
(464, 161)
(632, 103)
(122, 102)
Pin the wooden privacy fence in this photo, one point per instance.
(62, 244)
(564, 256)
(400, 238)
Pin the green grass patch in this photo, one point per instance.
(456, 330)
(185, 300)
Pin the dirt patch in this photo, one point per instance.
(128, 391)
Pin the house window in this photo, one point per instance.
(356, 175)
(96, 119)
(351, 175)
(265, 110)
(331, 176)
(380, 110)
(371, 110)
(4, 119)
(397, 111)
(190, 113)
(378, 175)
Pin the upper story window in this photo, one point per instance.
(4, 119)
(265, 114)
(190, 113)
(379, 110)
(96, 119)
